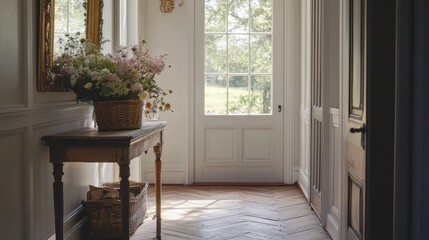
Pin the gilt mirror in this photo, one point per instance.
(58, 18)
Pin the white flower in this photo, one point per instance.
(144, 95)
(88, 85)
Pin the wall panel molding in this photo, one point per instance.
(59, 122)
(334, 200)
(14, 151)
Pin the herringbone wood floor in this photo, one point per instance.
(232, 212)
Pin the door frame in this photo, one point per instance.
(291, 86)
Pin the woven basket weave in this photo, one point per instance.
(118, 115)
(105, 216)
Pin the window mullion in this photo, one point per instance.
(249, 82)
(227, 57)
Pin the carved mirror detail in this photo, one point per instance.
(91, 16)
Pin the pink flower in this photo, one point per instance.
(156, 65)
(112, 77)
(136, 87)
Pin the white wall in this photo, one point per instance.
(169, 33)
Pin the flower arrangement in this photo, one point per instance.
(97, 77)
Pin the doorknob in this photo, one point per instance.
(279, 108)
(361, 130)
(357, 130)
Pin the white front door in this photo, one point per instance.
(238, 91)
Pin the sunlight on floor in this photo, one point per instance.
(194, 209)
(218, 213)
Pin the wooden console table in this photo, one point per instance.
(91, 145)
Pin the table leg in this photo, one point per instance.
(58, 200)
(158, 188)
(124, 174)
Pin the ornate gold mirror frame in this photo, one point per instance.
(93, 22)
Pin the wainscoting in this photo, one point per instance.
(27, 174)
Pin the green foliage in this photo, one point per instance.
(238, 46)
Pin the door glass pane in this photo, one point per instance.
(216, 53)
(238, 16)
(215, 95)
(238, 95)
(238, 58)
(261, 54)
(260, 95)
(216, 12)
(261, 15)
(238, 53)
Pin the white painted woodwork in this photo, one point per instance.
(318, 100)
(334, 200)
(330, 149)
(303, 179)
(343, 100)
(291, 91)
(241, 148)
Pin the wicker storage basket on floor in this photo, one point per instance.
(118, 115)
(105, 216)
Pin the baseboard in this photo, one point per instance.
(75, 226)
(251, 184)
(168, 177)
(303, 184)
